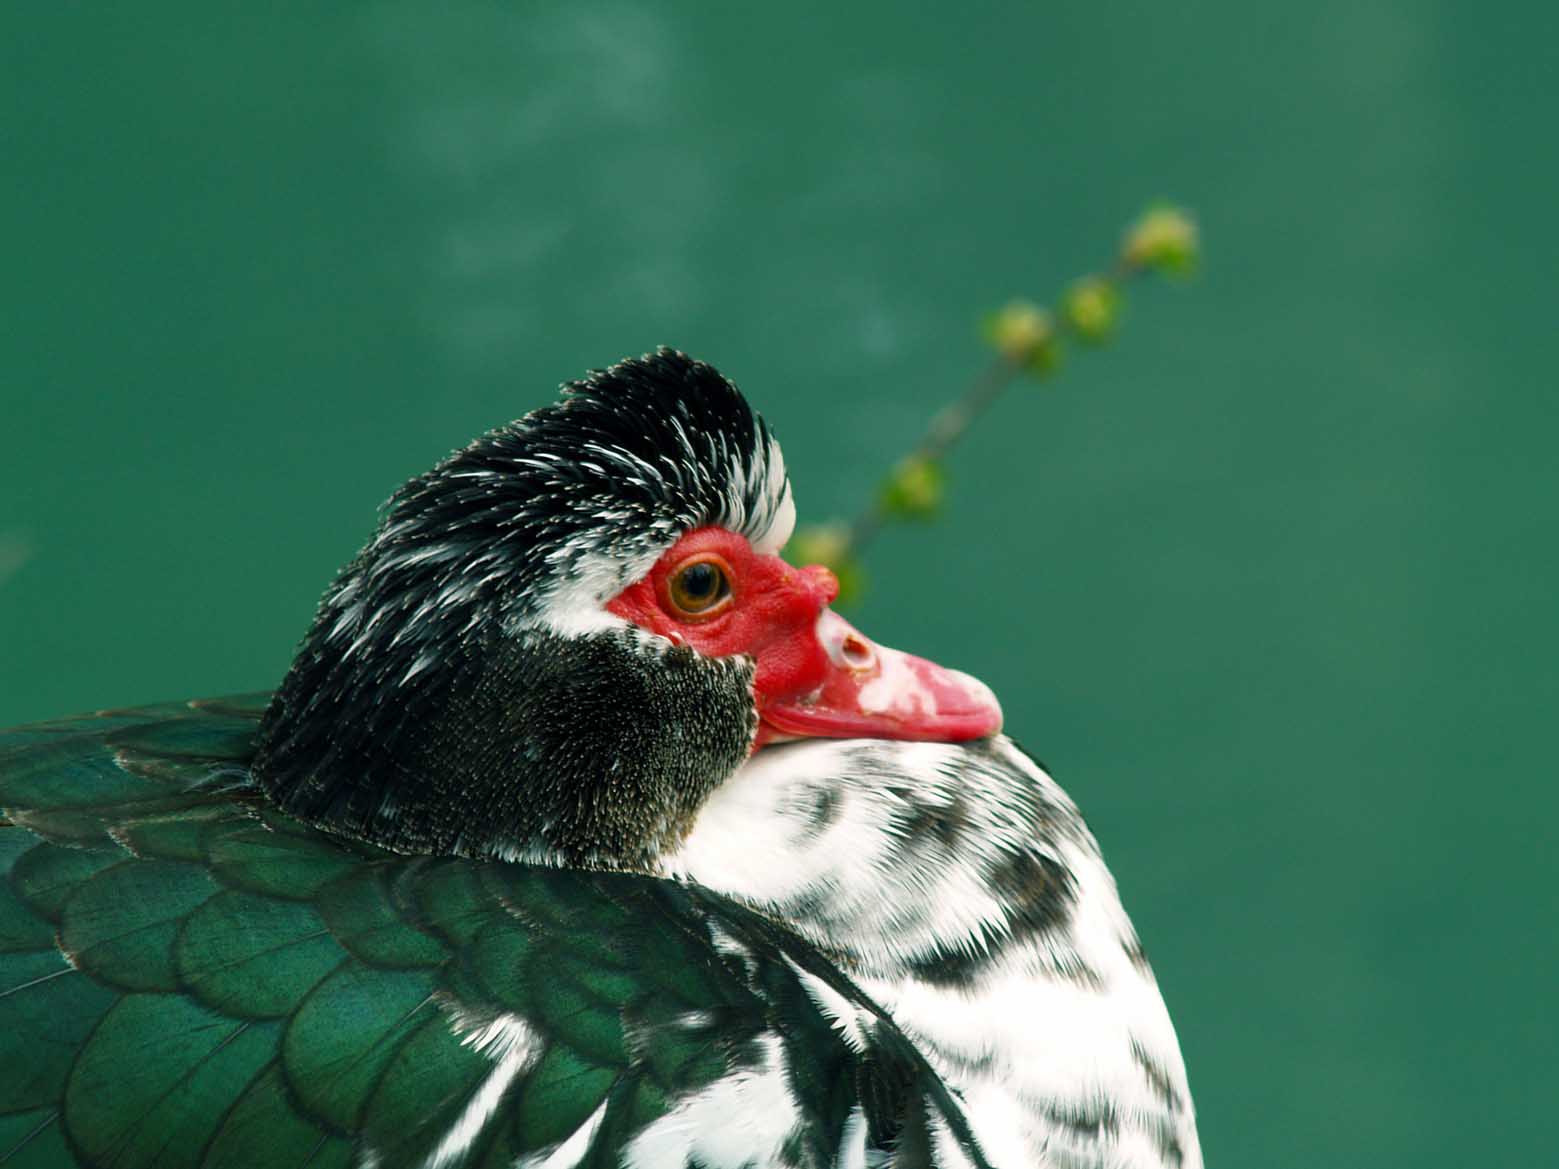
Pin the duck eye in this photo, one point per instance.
(698, 588)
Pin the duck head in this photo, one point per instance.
(564, 637)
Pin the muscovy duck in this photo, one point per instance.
(580, 833)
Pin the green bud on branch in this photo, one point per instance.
(1164, 240)
(915, 488)
(1025, 335)
(1091, 309)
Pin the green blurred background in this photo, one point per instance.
(1269, 584)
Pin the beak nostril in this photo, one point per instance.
(857, 653)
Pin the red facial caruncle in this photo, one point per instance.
(816, 675)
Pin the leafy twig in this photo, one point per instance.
(1028, 340)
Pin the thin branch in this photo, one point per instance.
(946, 428)
(1028, 340)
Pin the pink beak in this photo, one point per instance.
(870, 691)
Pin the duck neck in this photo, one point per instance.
(920, 860)
(593, 750)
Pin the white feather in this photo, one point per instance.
(570, 1152)
(514, 1046)
(741, 1119)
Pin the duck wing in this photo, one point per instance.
(189, 978)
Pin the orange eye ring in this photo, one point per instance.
(699, 587)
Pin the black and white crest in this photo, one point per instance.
(573, 502)
(463, 688)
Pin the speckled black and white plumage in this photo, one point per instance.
(959, 886)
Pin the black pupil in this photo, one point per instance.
(699, 581)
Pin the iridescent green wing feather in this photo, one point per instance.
(189, 979)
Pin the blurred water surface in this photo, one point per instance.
(1270, 585)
